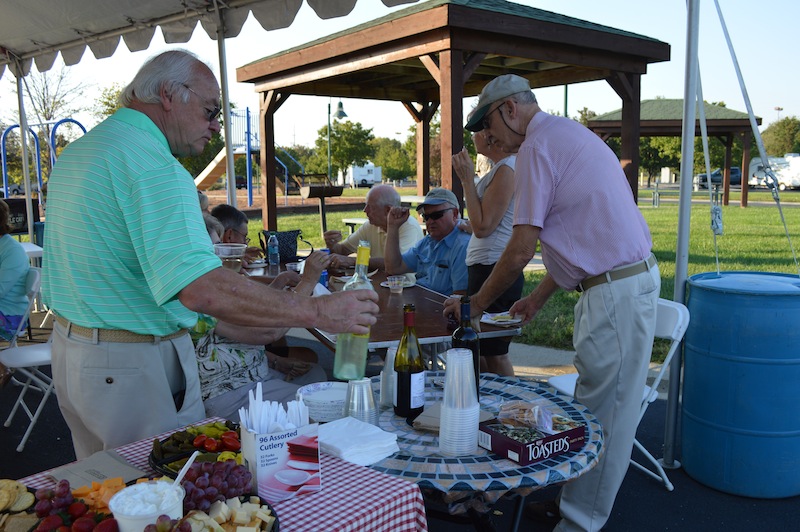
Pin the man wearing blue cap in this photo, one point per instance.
(439, 259)
(572, 196)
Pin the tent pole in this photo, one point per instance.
(684, 218)
(226, 106)
(23, 135)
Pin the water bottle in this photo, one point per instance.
(273, 255)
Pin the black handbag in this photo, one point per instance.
(287, 244)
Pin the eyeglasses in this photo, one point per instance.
(486, 123)
(246, 238)
(434, 215)
(211, 114)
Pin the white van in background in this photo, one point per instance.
(361, 176)
(786, 170)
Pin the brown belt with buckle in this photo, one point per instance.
(116, 335)
(617, 274)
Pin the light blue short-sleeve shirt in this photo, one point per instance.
(124, 230)
(440, 266)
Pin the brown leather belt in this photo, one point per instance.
(116, 335)
(619, 273)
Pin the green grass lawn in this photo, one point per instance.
(753, 240)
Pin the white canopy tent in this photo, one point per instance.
(38, 30)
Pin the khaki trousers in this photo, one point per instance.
(614, 329)
(114, 393)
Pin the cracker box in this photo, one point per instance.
(528, 446)
(284, 464)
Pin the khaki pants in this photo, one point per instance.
(614, 329)
(114, 393)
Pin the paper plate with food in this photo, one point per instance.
(500, 319)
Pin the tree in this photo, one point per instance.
(108, 102)
(296, 158)
(782, 136)
(584, 115)
(51, 96)
(350, 145)
(656, 153)
(392, 158)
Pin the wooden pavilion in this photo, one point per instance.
(664, 118)
(434, 54)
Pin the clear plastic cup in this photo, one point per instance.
(231, 255)
(360, 401)
(459, 386)
(458, 431)
(396, 283)
(460, 412)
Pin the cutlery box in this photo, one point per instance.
(283, 464)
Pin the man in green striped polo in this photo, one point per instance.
(128, 264)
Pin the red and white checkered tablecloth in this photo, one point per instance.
(353, 497)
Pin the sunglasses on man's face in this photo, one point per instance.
(434, 215)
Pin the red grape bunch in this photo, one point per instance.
(52, 501)
(206, 482)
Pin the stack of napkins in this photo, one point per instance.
(356, 441)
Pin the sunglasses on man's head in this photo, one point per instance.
(434, 215)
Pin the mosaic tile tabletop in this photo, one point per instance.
(479, 480)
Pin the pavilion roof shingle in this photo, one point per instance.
(664, 109)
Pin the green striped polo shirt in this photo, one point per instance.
(124, 230)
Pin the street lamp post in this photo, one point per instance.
(338, 115)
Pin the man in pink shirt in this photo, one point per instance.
(572, 196)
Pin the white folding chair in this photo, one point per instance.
(672, 319)
(26, 361)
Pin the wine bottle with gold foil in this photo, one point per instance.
(350, 360)
(409, 386)
(466, 337)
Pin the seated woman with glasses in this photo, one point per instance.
(14, 267)
(232, 359)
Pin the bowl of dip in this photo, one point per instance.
(140, 504)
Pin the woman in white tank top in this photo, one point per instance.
(490, 206)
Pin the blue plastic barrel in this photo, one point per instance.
(741, 391)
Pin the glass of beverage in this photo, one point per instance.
(396, 283)
(231, 255)
(293, 267)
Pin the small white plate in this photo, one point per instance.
(406, 284)
(500, 319)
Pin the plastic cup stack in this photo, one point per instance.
(359, 402)
(387, 378)
(458, 425)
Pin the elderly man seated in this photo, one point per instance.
(380, 199)
(439, 259)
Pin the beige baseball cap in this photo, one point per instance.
(497, 89)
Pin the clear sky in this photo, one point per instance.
(764, 39)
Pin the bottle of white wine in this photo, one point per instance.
(409, 386)
(466, 337)
(350, 360)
